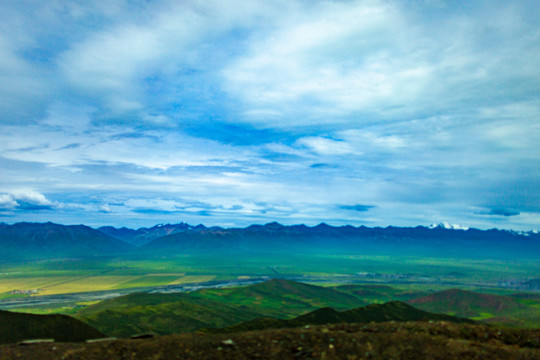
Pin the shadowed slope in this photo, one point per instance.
(160, 314)
(391, 311)
(18, 326)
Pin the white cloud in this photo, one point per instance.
(378, 62)
(339, 56)
(69, 117)
(325, 146)
(26, 200)
(7, 202)
(23, 88)
(59, 146)
(426, 111)
(167, 40)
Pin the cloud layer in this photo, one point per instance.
(361, 112)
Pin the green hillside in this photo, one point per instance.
(282, 298)
(17, 326)
(160, 314)
(184, 312)
(379, 293)
(391, 311)
(127, 302)
(518, 310)
(467, 303)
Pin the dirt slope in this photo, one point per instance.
(422, 340)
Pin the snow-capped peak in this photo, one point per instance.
(448, 226)
(526, 233)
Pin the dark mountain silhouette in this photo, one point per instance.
(123, 233)
(276, 238)
(30, 240)
(390, 311)
(48, 240)
(18, 326)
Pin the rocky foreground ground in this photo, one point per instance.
(420, 340)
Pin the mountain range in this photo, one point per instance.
(49, 240)
(45, 240)
(144, 235)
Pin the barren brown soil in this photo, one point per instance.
(421, 340)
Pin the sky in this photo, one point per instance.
(230, 113)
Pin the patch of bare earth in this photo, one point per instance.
(420, 340)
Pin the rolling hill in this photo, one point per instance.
(281, 298)
(390, 311)
(467, 303)
(379, 293)
(160, 314)
(517, 310)
(274, 302)
(183, 312)
(17, 326)
(284, 299)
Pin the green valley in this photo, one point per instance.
(279, 300)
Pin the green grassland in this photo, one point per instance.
(467, 271)
(284, 299)
(425, 275)
(280, 298)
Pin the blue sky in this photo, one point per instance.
(132, 113)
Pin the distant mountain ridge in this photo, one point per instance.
(273, 237)
(144, 235)
(46, 240)
(49, 240)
